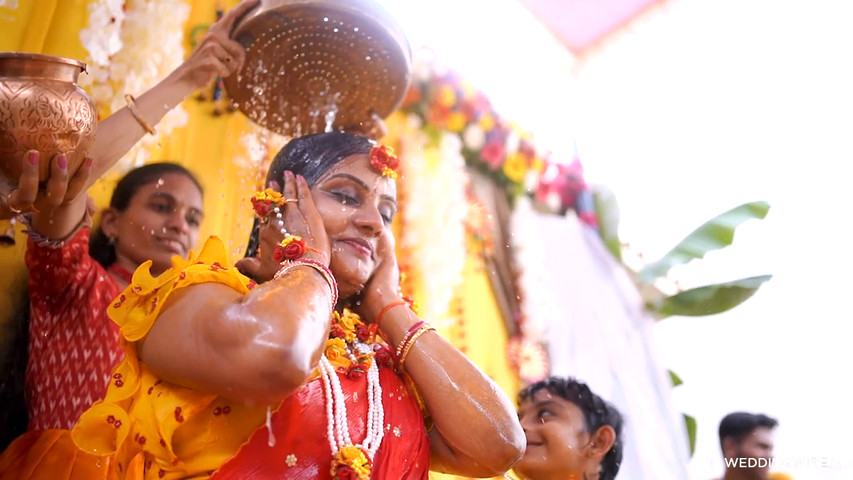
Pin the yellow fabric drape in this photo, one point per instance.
(41, 26)
(207, 146)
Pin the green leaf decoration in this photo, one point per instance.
(713, 235)
(607, 211)
(690, 423)
(710, 299)
(675, 379)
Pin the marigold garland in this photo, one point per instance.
(119, 39)
(434, 180)
(347, 328)
(351, 350)
(446, 102)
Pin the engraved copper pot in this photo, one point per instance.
(42, 108)
(320, 65)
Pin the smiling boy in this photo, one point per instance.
(572, 433)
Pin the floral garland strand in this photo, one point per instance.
(131, 46)
(102, 38)
(352, 351)
(538, 301)
(493, 145)
(434, 180)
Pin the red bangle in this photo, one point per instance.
(385, 309)
(414, 328)
(411, 342)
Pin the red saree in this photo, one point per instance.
(300, 445)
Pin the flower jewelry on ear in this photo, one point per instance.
(383, 158)
(265, 201)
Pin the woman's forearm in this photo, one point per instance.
(481, 429)
(117, 134)
(255, 348)
(217, 55)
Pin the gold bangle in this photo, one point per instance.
(319, 268)
(131, 105)
(411, 343)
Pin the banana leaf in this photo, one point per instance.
(607, 210)
(690, 423)
(710, 299)
(675, 379)
(713, 235)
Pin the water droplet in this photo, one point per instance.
(270, 436)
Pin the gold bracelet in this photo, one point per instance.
(318, 267)
(411, 343)
(131, 105)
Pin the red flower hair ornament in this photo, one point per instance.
(383, 159)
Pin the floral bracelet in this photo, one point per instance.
(292, 248)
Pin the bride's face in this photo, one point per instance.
(357, 204)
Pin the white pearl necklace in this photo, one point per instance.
(280, 221)
(336, 409)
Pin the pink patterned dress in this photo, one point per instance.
(73, 344)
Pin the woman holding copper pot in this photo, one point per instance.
(154, 215)
(322, 371)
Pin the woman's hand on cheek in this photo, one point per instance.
(263, 267)
(299, 217)
(384, 286)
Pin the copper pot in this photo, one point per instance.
(42, 108)
(320, 65)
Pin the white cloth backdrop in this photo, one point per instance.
(603, 337)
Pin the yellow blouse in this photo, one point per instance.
(181, 433)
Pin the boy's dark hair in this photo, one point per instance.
(738, 425)
(596, 411)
